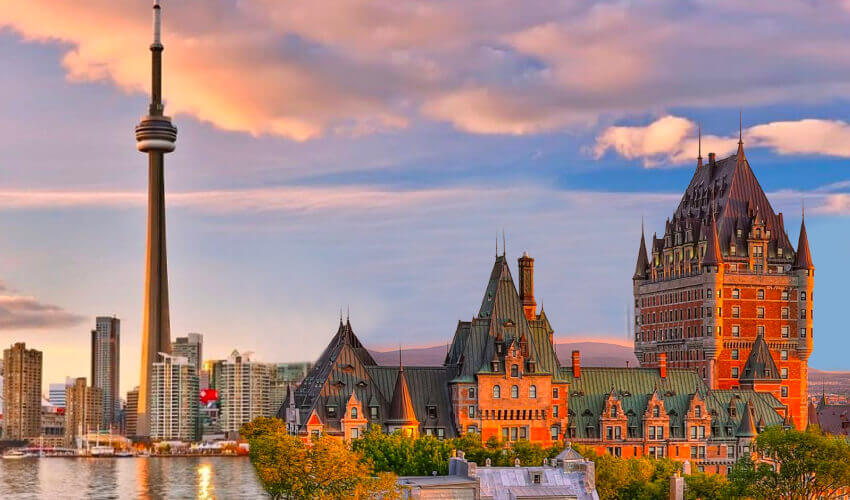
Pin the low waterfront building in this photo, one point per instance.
(243, 391)
(52, 427)
(21, 392)
(83, 411)
(564, 478)
(175, 400)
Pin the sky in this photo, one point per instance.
(366, 155)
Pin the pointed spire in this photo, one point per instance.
(713, 256)
(740, 154)
(504, 243)
(747, 427)
(760, 364)
(699, 146)
(642, 265)
(803, 259)
(401, 407)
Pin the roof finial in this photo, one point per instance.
(348, 314)
(400, 364)
(740, 126)
(641, 225)
(803, 209)
(504, 243)
(340, 315)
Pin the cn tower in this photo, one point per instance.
(155, 135)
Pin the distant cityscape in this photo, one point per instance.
(193, 400)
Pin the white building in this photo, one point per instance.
(243, 391)
(174, 400)
(56, 393)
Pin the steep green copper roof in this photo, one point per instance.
(634, 388)
(427, 385)
(760, 364)
(500, 317)
(724, 425)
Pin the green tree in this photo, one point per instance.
(702, 486)
(326, 469)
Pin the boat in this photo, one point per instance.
(102, 451)
(124, 454)
(15, 455)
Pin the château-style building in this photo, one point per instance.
(502, 378)
(723, 292)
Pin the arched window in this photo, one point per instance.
(353, 413)
(514, 370)
(532, 391)
(656, 411)
(514, 391)
(497, 392)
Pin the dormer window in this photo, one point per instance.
(353, 413)
(495, 366)
(739, 232)
(732, 250)
(331, 411)
(432, 411)
(373, 412)
(471, 393)
(656, 411)
(613, 412)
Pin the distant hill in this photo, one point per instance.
(601, 354)
(592, 354)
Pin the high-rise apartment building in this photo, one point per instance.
(105, 365)
(130, 412)
(21, 392)
(190, 347)
(83, 411)
(243, 391)
(174, 400)
(723, 292)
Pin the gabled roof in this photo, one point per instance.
(760, 365)
(427, 385)
(803, 260)
(765, 407)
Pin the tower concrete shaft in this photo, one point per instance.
(155, 135)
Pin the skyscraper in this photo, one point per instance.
(105, 365)
(190, 347)
(21, 392)
(174, 400)
(155, 135)
(243, 391)
(83, 410)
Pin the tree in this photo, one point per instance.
(631, 478)
(801, 464)
(403, 455)
(702, 486)
(326, 469)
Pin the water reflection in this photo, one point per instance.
(145, 478)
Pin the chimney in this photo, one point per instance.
(526, 286)
(662, 364)
(711, 159)
(576, 364)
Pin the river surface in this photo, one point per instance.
(146, 478)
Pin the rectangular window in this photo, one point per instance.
(760, 293)
(432, 411)
(659, 432)
(784, 313)
(702, 432)
(555, 411)
(734, 372)
(734, 353)
(554, 393)
(784, 391)
(471, 411)
(736, 294)
(802, 332)
(736, 312)
(331, 411)
(609, 432)
(651, 432)
(441, 433)
(784, 372)
(760, 312)
(736, 331)
(730, 452)
(760, 329)
(693, 432)
(784, 294)
(618, 433)
(523, 433)
(785, 331)
(802, 314)
(783, 354)
(472, 393)
(803, 296)
(505, 434)
(514, 433)
(373, 412)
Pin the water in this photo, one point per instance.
(145, 478)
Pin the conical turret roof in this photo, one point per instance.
(747, 427)
(642, 261)
(401, 407)
(713, 256)
(804, 256)
(760, 365)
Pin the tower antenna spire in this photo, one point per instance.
(740, 126)
(504, 243)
